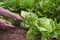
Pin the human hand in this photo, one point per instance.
(18, 18)
(4, 24)
(9, 14)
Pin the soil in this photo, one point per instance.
(13, 34)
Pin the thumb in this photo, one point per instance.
(10, 25)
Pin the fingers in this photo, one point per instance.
(10, 26)
(5, 23)
(21, 18)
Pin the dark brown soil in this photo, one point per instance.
(13, 34)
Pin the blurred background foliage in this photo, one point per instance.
(42, 8)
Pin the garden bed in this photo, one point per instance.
(13, 34)
(42, 17)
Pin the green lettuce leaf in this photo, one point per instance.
(29, 17)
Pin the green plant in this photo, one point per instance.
(42, 17)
